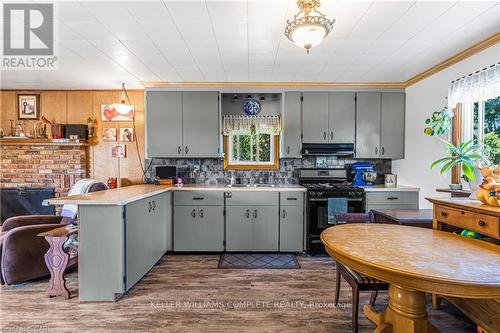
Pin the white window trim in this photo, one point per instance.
(232, 161)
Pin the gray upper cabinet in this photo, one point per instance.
(342, 117)
(380, 122)
(164, 123)
(368, 125)
(182, 124)
(315, 117)
(392, 126)
(292, 129)
(200, 110)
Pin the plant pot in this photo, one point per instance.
(475, 183)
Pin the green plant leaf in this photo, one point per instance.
(448, 166)
(441, 160)
(468, 171)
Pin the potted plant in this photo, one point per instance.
(467, 155)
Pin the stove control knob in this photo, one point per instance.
(320, 194)
(312, 194)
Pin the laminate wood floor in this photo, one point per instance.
(187, 293)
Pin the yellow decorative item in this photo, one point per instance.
(489, 191)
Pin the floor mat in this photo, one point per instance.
(258, 260)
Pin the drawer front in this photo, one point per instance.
(384, 207)
(252, 198)
(292, 198)
(483, 224)
(197, 198)
(392, 198)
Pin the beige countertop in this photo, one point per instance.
(125, 195)
(382, 188)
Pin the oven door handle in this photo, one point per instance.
(326, 199)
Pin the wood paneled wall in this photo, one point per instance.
(74, 107)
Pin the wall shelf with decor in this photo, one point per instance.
(41, 142)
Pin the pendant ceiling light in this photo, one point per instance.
(309, 26)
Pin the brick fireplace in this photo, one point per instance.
(38, 164)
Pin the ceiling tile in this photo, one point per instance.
(164, 29)
(141, 47)
(74, 11)
(147, 10)
(187, 10)
(126, 30)
(106, 11)
(90, 30)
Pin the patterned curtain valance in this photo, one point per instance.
(243, 124)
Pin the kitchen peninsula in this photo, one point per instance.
(123, 232)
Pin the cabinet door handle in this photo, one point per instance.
(255, 213)
(201, 213)
(186, 150)
(193, 213)
(444, 214)
(179, 150)
(154, 205)
(247, 213)
(324, 135)
(291, 199)
(150, 207)
(392, 198)
(482, 223)
(288, 150)
(376, 150)
(198, 198)
(331, 135)
(284, 214)
(383, 151)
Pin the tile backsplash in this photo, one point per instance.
(211, 170)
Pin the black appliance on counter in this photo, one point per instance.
(322, 184)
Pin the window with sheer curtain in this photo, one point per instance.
(251, 142)
(478, 96)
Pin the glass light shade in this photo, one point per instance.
(307, 36)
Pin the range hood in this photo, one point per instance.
(328, 149)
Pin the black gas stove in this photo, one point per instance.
(322, 184)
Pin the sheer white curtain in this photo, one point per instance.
(243, 124)
(479, 86)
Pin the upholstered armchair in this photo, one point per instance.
(22, 251)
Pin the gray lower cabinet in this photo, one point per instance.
(146, 235)
(198, 221)
(391, 200)
(198, 228)
(291, 140)
(252, 228)
(291, 229)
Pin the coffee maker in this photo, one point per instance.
(363, 174)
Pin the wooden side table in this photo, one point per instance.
(59, 259)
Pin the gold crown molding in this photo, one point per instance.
(470, 51)
(267, 84)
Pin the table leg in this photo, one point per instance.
(406, 313)
(57, 261)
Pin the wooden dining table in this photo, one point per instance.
(415, 261)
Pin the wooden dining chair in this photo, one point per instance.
(357, 281)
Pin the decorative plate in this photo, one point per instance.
(251, 107)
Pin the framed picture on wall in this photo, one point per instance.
(119, 151)
(28, 106)
(127, 134)
(109, 134)
(117, 112)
